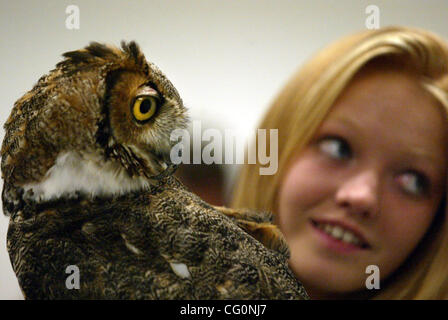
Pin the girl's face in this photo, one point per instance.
(368, 185)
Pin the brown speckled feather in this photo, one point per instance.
(165, 224)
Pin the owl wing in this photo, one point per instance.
(162, 244)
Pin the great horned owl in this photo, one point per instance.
(87, 183)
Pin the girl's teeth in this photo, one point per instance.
(348, 237)
(339, 233)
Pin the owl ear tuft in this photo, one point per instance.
(93, 52)
(133, 51)
(100, 50)
(78, 56)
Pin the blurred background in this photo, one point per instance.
(227, 58)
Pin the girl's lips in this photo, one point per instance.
(335, 244)
(344, 225)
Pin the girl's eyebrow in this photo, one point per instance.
(419, 153)
(346, 121)
(414, 152)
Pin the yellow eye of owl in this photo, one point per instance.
(144, 107)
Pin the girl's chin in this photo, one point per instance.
(326, 272)
(327, 284)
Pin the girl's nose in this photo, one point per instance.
(359, 194)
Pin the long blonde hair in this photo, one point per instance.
(304, 102)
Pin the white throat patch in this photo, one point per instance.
(86, 173)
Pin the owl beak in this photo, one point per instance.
(167, 172)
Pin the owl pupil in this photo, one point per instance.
(145, 106)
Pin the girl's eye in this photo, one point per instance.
(414, 183)
(335, 147)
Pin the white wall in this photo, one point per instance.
(227, 58)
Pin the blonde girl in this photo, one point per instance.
(362, 142)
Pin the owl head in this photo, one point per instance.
(99, 124)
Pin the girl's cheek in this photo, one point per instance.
(403, 224)
(305, 183)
